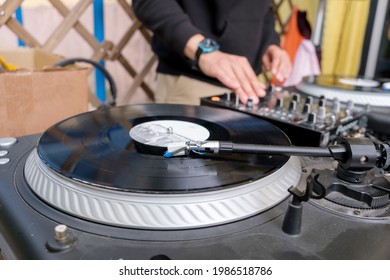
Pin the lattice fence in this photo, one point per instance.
(282, 21)
(105, 50)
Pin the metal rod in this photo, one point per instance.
(286, 150)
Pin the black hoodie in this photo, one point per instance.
(241, 27)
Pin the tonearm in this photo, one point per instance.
(355, 158)
(351, 153)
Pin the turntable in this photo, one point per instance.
(98, 186)
(371, 93)
(363, 91)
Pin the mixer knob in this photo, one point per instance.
(336, 106)
(237, 102)
(322, 102)
(306, 109)
(279, 103)
(292, 106)
(321, 114)
(309, 100)
(296, 97)
(249, 103)
(350, 107)
(228, 96)
(311, 118)
(333, 119)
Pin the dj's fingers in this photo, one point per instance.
(266, 62)
(278, 62)
(232, 81)
(281, 65)
(283, 69)
(277, 68)
(234, 72)
(237, 81)
(287, 65)
(250, 86)
(217, 65)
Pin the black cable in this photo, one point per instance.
(107, 75)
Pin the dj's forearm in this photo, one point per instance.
(168, 22)
(192, 46)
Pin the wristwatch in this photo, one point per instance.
(205, 46)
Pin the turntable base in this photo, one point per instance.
(63, 193)
(160, 211)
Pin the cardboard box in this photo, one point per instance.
(39, 95)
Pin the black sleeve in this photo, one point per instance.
(167, 20)
(270, 35)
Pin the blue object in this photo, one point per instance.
(98, 19)
(19, 18)
(168, 154)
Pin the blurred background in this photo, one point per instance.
(351, 37)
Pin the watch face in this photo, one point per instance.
(208, 45)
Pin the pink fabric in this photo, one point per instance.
(305, 63)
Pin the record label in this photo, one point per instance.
(366, 83)
(164, 132)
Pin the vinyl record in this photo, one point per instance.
(362, 91)
(96, 148)
(349, 83)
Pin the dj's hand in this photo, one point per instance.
(234, 72)
(278, 62)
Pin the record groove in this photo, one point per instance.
(96, 148)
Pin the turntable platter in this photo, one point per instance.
(359, 90)
(91, 167)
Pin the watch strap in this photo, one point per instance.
(200, 51)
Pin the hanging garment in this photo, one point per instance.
(296, 42)
(297, 29)
(305, 63)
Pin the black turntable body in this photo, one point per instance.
(86, 190)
